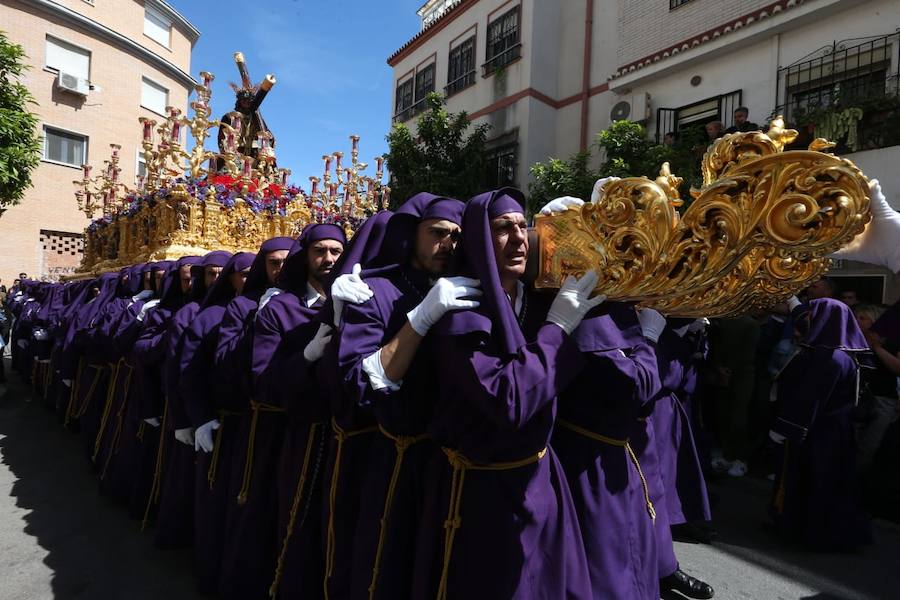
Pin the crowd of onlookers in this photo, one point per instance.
(5, 323)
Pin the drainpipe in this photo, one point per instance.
(586, 74)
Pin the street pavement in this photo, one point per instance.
(59, 538)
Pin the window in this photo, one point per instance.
(141, 170)
(64, 57)
(156, 26)
(404, 99)
(424, 83)
(154, 96)
(461, 73)
(64, 147)
(503, 45)
(697, 115)
(501, 166)
(676, 3)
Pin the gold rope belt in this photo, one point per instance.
(295, 507)
(70, 409)
(110, 394)
(780, 492)
(460, 465)
(157, 471)
(214, 460)
(255, 409)
(622, 444)
(98, 370)
(48, 377)
(120, 418)
(341, 436)
(401, 444)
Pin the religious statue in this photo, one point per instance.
(246, 117)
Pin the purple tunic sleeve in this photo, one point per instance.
(805, 386)
(232, 356)
(267, 357)
(362, 334)
(511, 390)
(196, 366)
(172, 365)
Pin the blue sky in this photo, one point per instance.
(329, 60)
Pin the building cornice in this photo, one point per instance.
(707, 36)
(102, 31)
(427, 33)
(169, 10)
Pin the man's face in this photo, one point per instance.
(210, 274)
(237, 280)
(509, 233)
(713, 130)
(23, 276)
(320, 258)
(274, 263)
(849, 298)
(819, 289)
(865, 322)
(740, 117)
(184, 275)
(436, 242)
(16, 282)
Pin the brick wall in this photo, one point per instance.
(648, 25)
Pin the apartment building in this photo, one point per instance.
(96, 67)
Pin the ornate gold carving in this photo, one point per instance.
(757, 231)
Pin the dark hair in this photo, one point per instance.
(674, 135)
(742, 109)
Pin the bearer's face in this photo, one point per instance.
(274, 263)
(509, 233)
(184, 274)
(237, 280)
(320, 258)
(436, 243)
(210, 274)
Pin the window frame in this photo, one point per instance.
(410, 80)
(45, 127)
(673, 4)
(491, 63)
(153, 12)
(498, 153)
(151, 82)
(468, 78)
(62, 43)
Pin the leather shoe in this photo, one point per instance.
(684, 584)
(694, 533)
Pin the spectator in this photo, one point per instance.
(670, 139)
(714, 130)
(741, 122)
(2, 287)
(880, 404)
(850, 298)
(823, 288)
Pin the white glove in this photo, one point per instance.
(776, 437)
(143, 295)
(561, 205)
(877, 244)
(39, 334)
(652, 323)
(698, 325)
(573, 301)
(185, 436)
(793, 302)
(67, 382)
(349, 287)
(268, 295)
(598, 188)
(203, 436)
(153, 422)
(316, 348)
(147, 308)
(445, 295)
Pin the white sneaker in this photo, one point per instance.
(738, 469)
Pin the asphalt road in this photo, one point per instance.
(59, 538)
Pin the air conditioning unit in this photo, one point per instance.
(634, 108)
(73, 84)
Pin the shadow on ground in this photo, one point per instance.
(54, 514)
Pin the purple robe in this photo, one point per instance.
(618, 381)
(511, 528)
(816, 497)
(680, 467)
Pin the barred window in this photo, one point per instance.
(503, 46)
(404, 98)
(501, 166)
(461, 72)
(424, 82)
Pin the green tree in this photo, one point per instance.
(556, 177)
(445, 157)
(20, 145)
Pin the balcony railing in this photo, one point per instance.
(410, 112)
(501, 60)
(460, 83)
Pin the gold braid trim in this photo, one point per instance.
(110, 394)
(157, 471)
(70, 409)
(256, 408)
(120, 418)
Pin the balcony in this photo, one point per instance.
(410, 112)
(510, 55)
(848, 93)
(459, 84)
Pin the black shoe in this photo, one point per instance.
(684, 584)
(694, 533)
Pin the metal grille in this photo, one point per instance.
(858, 76)
(501, 166)
(503, 44)
(461, 72)
(718, 108)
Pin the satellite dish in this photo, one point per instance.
(620, 111)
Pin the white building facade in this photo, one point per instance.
(548, 76)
